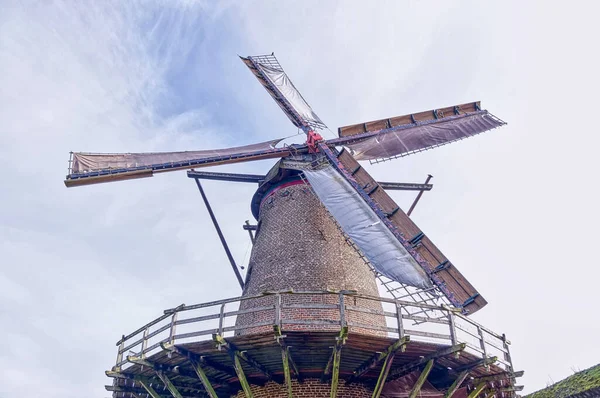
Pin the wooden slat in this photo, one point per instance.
(455, 282)
(381, 124)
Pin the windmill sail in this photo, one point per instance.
(91, 168)
(432, 261)
(361, 224)
(404, 135)
(271, 75)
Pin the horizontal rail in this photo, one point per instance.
(283, 314)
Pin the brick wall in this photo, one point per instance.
(298, 247)
(309, 388)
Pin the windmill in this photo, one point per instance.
(310, 318)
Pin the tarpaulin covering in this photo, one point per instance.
(409, 139)
(273, 72)
(363, 226)
(88, 162)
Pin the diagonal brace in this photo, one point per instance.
(421, 380)
(373, 362)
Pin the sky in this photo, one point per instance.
(515, 209)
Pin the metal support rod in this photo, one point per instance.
(221, 237)
(258, 178)
(250, 231)
(412, 207)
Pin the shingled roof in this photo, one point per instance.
(582, 384)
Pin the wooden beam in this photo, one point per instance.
(204, 361)
(480, 362)
(442, 352)
(148, 387)
(285, 359)
(337, 356)
(400, 344)
(498, 376)
(475, 393)
(383, 375)
(172, 389)
(241, 376)
(421, 380)
(232, 349)
(456, 385)
(140, 391)
(203, 378)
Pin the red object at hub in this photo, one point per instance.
(312, 140)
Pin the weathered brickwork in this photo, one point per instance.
(309, 388)
(298, 247)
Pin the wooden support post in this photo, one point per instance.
(385, 371)
(172, 389)
(475, 393)
(400, 344)
(285, 357)
(421, 380)
(241, 376)
(456, 385)
(203, 378)
(148, 387)
(286, 371)
(442, 352)
(337, 356)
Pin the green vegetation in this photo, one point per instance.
(580, 382)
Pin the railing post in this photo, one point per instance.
(342, 310)
(482, 341)
(452, 326)
(144, 343)
(507, 357)
(120, 354)
(172, 331)
(277, 320)
(221, 313)
(399, 320)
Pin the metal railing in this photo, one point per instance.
(194, 323)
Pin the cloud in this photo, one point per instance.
(514, 209)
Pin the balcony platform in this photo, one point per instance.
(163, 359)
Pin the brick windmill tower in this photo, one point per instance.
(311, 321)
